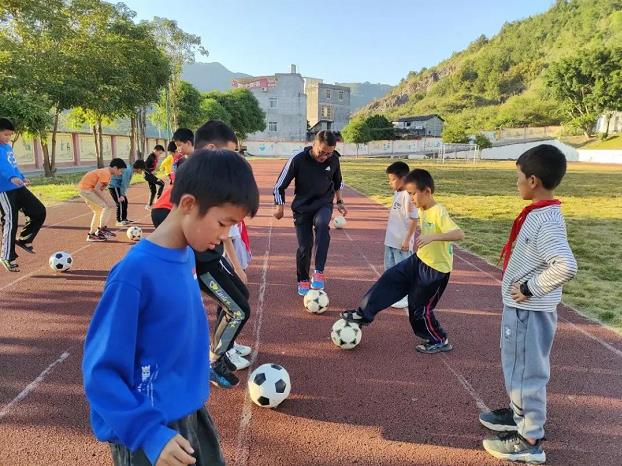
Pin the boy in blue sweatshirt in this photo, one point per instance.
(119, 184)
(146, 365)
(15, 196)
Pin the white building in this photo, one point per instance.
(328, 105)
(420, 126)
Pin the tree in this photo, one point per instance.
(29, 113)
(246, 115)
(211, 109)
(357, 131)
(587, 85)
(380, 127)
(188, 100)
(482, 141)
(454, 133)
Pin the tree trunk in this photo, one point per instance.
(608, 116)
(143, 130)
(173, 100)
(47, 170)
(132, 138)
(101, 141)
(54, 132)
(97, 148)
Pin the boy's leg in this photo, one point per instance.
(152, 189)
(8, 206)
(220, 281)
(304, 234)
(526, 341)
(122, 456)
(115, 197)
(93, 202)
(160, 183)
(124, 205)
(423, 297)
(389, 257)
(390, 287)
(321, 225)
(35, 213)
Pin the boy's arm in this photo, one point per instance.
(449, 232)
(126, 179)
(552, 246)
(412, 228)
(233, 258)
(8, 171)
(108, 373)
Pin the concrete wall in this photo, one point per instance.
(600, 156)
(513, 151)
(290, 113)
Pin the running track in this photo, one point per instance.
(381, 404)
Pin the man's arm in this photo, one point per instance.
(285, 178)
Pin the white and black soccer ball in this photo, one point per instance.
(134, 233)
(316, 301)
(339, 222)
(61, 261)
(346, 335)
(269, 385)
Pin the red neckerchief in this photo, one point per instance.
(517, 225)
(244, 236)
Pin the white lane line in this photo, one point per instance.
(598, 340)
(32, 385)
(242, 444)
(467, 386)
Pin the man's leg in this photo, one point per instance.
(321, 225)
(304, 234)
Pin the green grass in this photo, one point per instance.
(483, 200)
(580, 142)
(61, 188)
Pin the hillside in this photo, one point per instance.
(498, 81)
(363, 93)
(210, 76)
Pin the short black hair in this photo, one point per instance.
(159, 147)
(183, 135)
(326, 137)
(421, 179)
(217, 177)
(139, 164)
(172, 147)
(400, 169)
(118, 163)
(545, 162)
(214, 132)
(5, 124)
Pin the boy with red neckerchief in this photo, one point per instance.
(537, 262)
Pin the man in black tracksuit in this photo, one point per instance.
(318, 181)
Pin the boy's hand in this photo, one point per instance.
(121, 198)
(422, 241)
(406, 245)
(26, 182)
(177, 452)
(278, 212)
(17, 181)
(516, 293)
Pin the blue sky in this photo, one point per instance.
(342, 40)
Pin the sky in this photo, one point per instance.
(378, 41)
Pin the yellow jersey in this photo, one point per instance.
(438, 254)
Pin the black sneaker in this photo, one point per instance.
(221, 375)
(511, 446)
(355, 317)
(431, 348)
(499, 420)
(26, 247)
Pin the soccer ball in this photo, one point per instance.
(339, 222)
(61, 261)
(316, 301)
(346, 335)
(134, 233)
(269, 385)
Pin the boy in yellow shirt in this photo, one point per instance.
(423, 276)
(92, 187)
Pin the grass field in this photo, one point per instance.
(483, 200)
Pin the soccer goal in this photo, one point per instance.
(467, 152)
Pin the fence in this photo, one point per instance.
(74, 149)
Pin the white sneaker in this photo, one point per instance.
(122, 223)
(242, 350)
(147, 207)
(402, 303)
(238, 361)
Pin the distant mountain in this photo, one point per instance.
(210, 76)
(363, 93)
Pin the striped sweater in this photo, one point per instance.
(542, 258)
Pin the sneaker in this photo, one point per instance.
(303, 287)
(499, 420)
(238, 361)
(511, 446)
(401, 304)
(26, 247)
(317, 280)
(10, 266)
(147, 207)
(107, 232)
(355, 316)
(242, 350)
(431, 348)
(96, 237)
(221, 375)
(122, 223)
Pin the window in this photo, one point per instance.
(272, 126)
(273, 102)
(340, 94)
(328, 94)
(327, 112)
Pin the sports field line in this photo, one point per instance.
(463, 381)
(606, 345)
(33, 385)
(242, 445)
